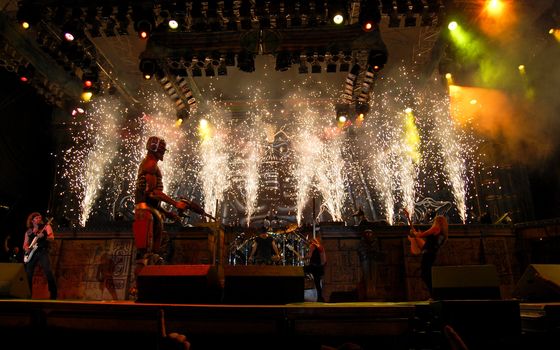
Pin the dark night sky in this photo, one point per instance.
(25, 154)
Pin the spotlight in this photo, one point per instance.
(25, 73)
(369, 15)
(342, 112)
(337, 11)
(148, 67)
(28, 14)
(377, 59)
(316, 68)
(72, 30)
(303, 69)
(144, 29)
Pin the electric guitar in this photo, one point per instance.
(416, 243)
(34, 244)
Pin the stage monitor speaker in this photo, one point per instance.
(539, 282)
(467, 282)
(13, 281)
(188, 284)
(263, 284)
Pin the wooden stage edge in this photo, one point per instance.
(309, 325)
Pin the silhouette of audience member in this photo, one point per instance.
(170, 341)
(10, 252)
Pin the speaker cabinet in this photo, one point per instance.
(258, 284)
(539, 282)
(188, 284)
(465, 282)
(13, 281)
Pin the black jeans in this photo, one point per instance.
(41, 257)
(428, 259)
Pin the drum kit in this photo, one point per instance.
(292, 245)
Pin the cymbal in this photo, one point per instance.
(289, 229)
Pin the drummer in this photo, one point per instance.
(264, 250)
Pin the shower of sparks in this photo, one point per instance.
(455, 152)
(331, 182)
(251, 165)
(274, 158)
(214, 170)
(408, 170)
(87, 164)
(307, 148)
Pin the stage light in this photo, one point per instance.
(369, 15)
(144, 28)
(394, 18)
(230, 59)
(173, 24)
(337, 11)
(73, 30)
(143, 16)
(331, 67)
(25, 73)
(410, 19)
(209, 70)
(28, 14)
(148, 67)
(196, 71)
(342, 112)
(316, 68)
(78, 111)
(246, 61)
(452, 25)
(377, 59)
(222, 69)
(283, 61)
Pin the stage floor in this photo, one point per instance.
(310, 325)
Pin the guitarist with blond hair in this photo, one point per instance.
(35, 246)
(434, 238)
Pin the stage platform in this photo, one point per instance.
(484, 324)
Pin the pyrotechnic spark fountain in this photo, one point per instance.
(251, 170)
(101, 135)
(331, 182)
(214, 169)
(307, 149)
(310, 158)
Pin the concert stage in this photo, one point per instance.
(483, 324)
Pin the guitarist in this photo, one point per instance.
(434, 238)
(40, 252)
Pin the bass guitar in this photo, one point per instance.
(416, 243)
(34, 244)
